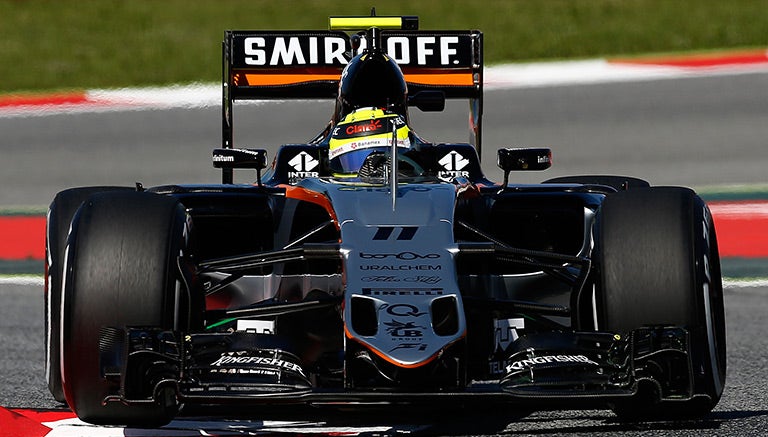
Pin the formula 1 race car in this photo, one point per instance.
(369, 268)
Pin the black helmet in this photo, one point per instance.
(374, 80)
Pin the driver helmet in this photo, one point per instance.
(371, 79)
(361, 132)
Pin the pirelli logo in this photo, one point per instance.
(332, 49)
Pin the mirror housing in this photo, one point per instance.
(538, 158)
(428, 100)
(240, 158)
(524, 159)
(227, 159)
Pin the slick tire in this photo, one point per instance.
(659, 265)
(60, 213)
(121, 270)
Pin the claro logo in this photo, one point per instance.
(403, 256)
(368, 126)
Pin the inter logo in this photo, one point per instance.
(453, 164)
(303, 162)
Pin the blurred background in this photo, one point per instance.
(58, 45)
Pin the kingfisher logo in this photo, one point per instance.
(303, 164)
(453, 165)
(550, 359)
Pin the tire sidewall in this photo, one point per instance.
(708, 346)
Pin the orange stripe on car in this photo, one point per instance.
(301, 193)
(456, 79)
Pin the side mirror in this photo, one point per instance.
(228, 159)
(523, 160)
(428, 101)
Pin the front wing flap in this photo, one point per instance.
(568, 365)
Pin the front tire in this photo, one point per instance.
(121, 270)
(659, 265)
(60, 213)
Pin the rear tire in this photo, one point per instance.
(60, 213)
(121, 270)
(659, 265)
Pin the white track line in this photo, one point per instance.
(497, 77)
(33, 281)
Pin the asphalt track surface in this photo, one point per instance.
(743, 409)
(695, 132)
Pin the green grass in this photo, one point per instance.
(50, 44)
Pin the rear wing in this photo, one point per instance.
(308, 65)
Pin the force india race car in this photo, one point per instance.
(415, 282)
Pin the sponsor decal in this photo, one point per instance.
(417, 346)
(256, 326)
(421, 189)
(425, 50)
(223, 158)
(303, 164)
(385, 232)
(364, 127)
(420, 279)
(271, 50)
(340, 147)
(398, 329)
(496, 367)
(546, 359)
(403, 256)
(242, 358)
(400, 268)
(402, 310)
(261, 372)
(398, 292)
(453, 164)
(505, 332)
(328, 49)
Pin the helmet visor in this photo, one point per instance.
(350, 162)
